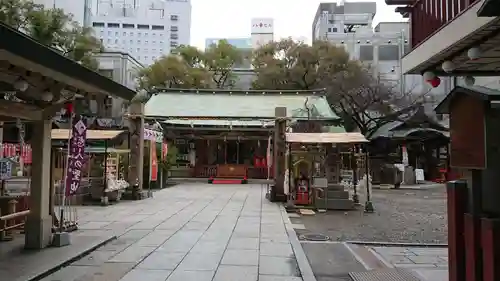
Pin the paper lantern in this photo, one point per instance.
(469, 80)
(448, 66)
(69, 108)
(435, 82)
(428, 76)
(473, 53)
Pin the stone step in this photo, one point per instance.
(337, 194)
(334, 204)
(335, 186)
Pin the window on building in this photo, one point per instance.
(116, 41)
(131, 41)
(388, 52)
(124, 33)
(146, 42)
(334, 29)
(174, 28)
(138, 41)
(154, 42)
(174, 17)
(143, 26)
(161, 42)
(161, 34)
(158, 27)
(116, 33)
(154, 57)
(109, 40)
(98, 24)
(331, 21)
(174, 44)
(329, 29)
(138, 49)
(146, 34)
(174, 36)
(109, 33)
(128, 25)
(139, 34)
(114, 25)
(366, 53)
(146, 57)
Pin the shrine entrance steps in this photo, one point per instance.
(227, 181)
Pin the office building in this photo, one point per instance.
(145, 29)
(262, 31)
(350, 24)
(240, 43)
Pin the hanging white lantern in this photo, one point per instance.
(448, 66)
(469, 80)
(428, 76)
(473, 53)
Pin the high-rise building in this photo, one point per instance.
(350, 24)
(262, 31)
(240, 43)
(146, 29)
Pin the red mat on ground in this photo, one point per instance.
(227, 181)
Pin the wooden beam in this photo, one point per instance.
(399, 2)
(20, 110)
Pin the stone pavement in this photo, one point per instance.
(430, 264)
(189, 232)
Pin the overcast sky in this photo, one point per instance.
(231, 18)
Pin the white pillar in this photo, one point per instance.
(39, 223)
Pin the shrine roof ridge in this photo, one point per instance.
(318, 92)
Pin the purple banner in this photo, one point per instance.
(76, 156)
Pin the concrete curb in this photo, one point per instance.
(73, 259)
(395, 244)
(302, 261)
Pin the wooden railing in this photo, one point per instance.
(13, 219)
(205, 171)
(429, 16)
(258, 173)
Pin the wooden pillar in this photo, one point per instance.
(279, 145)
(472, 228)
(457, 206)
(136, 160)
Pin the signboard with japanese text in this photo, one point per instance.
(5, 169)
(153, 162)
(76, 155)
(262, 25)
(164, 150)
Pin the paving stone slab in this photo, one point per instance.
(234, 272)
(197, 275)
(144, 274)
(209, 247)
(276, 249)
(132, 254)
(241, 257)
(244, 243)
(162, 260)
(278, 278)
(195, 261)
(278, 266)
(96, 258)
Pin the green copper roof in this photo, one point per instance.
(236, 105)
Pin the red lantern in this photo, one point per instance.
(69, 108)
(435, 82)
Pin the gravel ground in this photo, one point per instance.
(401, 216)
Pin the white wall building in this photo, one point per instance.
(350, 24)
(262, 31)
(146, 29)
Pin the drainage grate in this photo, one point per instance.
(314, 237)
(384, 275)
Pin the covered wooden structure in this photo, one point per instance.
(35, 83)
(228, 133)
(326, 191)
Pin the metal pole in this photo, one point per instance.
(401, 53)
(65, 177)
(355, 197)
(368, 204)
